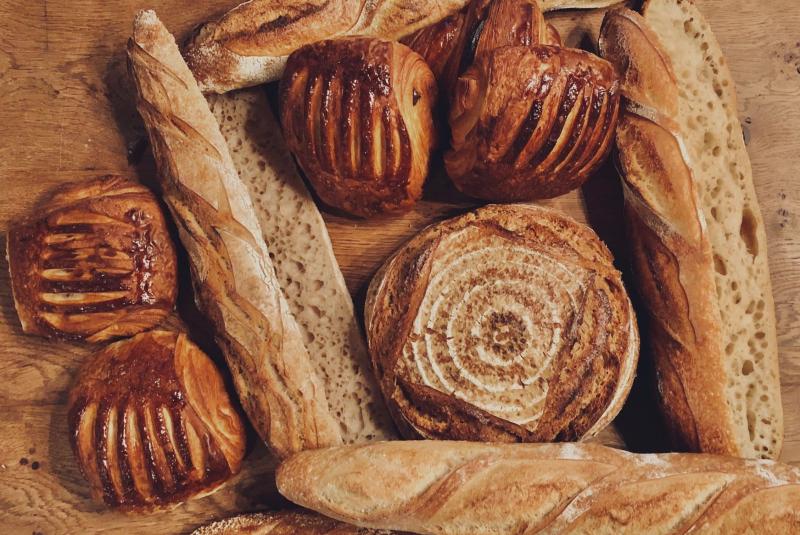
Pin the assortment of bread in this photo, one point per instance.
(506, 324)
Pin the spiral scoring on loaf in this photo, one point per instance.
(495, 326)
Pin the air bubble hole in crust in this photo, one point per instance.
(719, 265)
(747, 367)
(748, 232)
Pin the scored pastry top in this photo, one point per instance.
(95, 263)
(152, 424)
(506, 324)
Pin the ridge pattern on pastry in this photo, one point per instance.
(96, 262)
(151, 423)
(356, 113)
(531, 122)
(507, 324)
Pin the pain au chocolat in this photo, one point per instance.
(356, 113)
(96, 262)
(151, 423)
(506, 324)
(531, 122)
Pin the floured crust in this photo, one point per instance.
(283, 523)
(507, 324)
(439, 487)
(554, 5)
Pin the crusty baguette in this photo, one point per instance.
(284, 523)
(249, 45)
(696, 237)
(465, 488)
(234, 280)
(305, 264)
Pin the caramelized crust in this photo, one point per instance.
(531, 122)
(356, 113)
(95, 263)
(151, 423)
(507, 324)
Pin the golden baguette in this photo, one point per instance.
(284, 523)
(464, 488)
(234, 280)
(696, 235)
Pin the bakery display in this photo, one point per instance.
(356, 113)
(284, 523)
(234, 280)
(250, 43)
(305, 264)
(94, 262)
(455, 488)
(530, 122)
(506, 324)
(151, 423)
(696, 233)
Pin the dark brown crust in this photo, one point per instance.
(587, 373)
(172, 390)
(531, 122)
(356, 113)
(106, 235)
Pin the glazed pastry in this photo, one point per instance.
(531, 122)
(506, 324)
(151, 423)
(356, 113)
(94, 263)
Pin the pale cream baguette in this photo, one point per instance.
(284, 523)
(466, 488)
(234, 280)
(249, 45)
(692, 214)
(305, 263)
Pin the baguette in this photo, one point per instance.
(283, 523)
(555, 5)
(234, 280)
(466, 488)
(696, 233)
(250, 44)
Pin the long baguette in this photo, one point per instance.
(283, 523)
(465, 488)
(249, 45)
(234, 280)
(702, 285)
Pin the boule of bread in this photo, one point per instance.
(94, 262)
(234, 280)
(696, 233)
(303, 256)
(151, 423)
(356, 113)
(249, 45)
(465, 488)
(506, 324)
(284, 523)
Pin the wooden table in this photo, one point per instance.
(65, 114)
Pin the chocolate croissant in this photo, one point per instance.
(95, 263)
(531, 122)
(506, 324)
(151, 423)
(356, 113)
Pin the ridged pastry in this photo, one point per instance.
(356, 113)
(151, 423)
(506, 324)
(284, 523)
(531, 122)
(95, 262)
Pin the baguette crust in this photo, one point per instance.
(284, 523)
(463, 488)
(234, 280)
(250, 44)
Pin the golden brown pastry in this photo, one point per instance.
(95, 262)
(284, 523)
(356, 113)
(151, 423)
(506, 324)
(531, 122)
(460, 488)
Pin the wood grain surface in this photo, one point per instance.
(66, 113)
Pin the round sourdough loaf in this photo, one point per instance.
(505, 324)
(152, 424)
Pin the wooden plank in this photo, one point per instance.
(66, 113)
